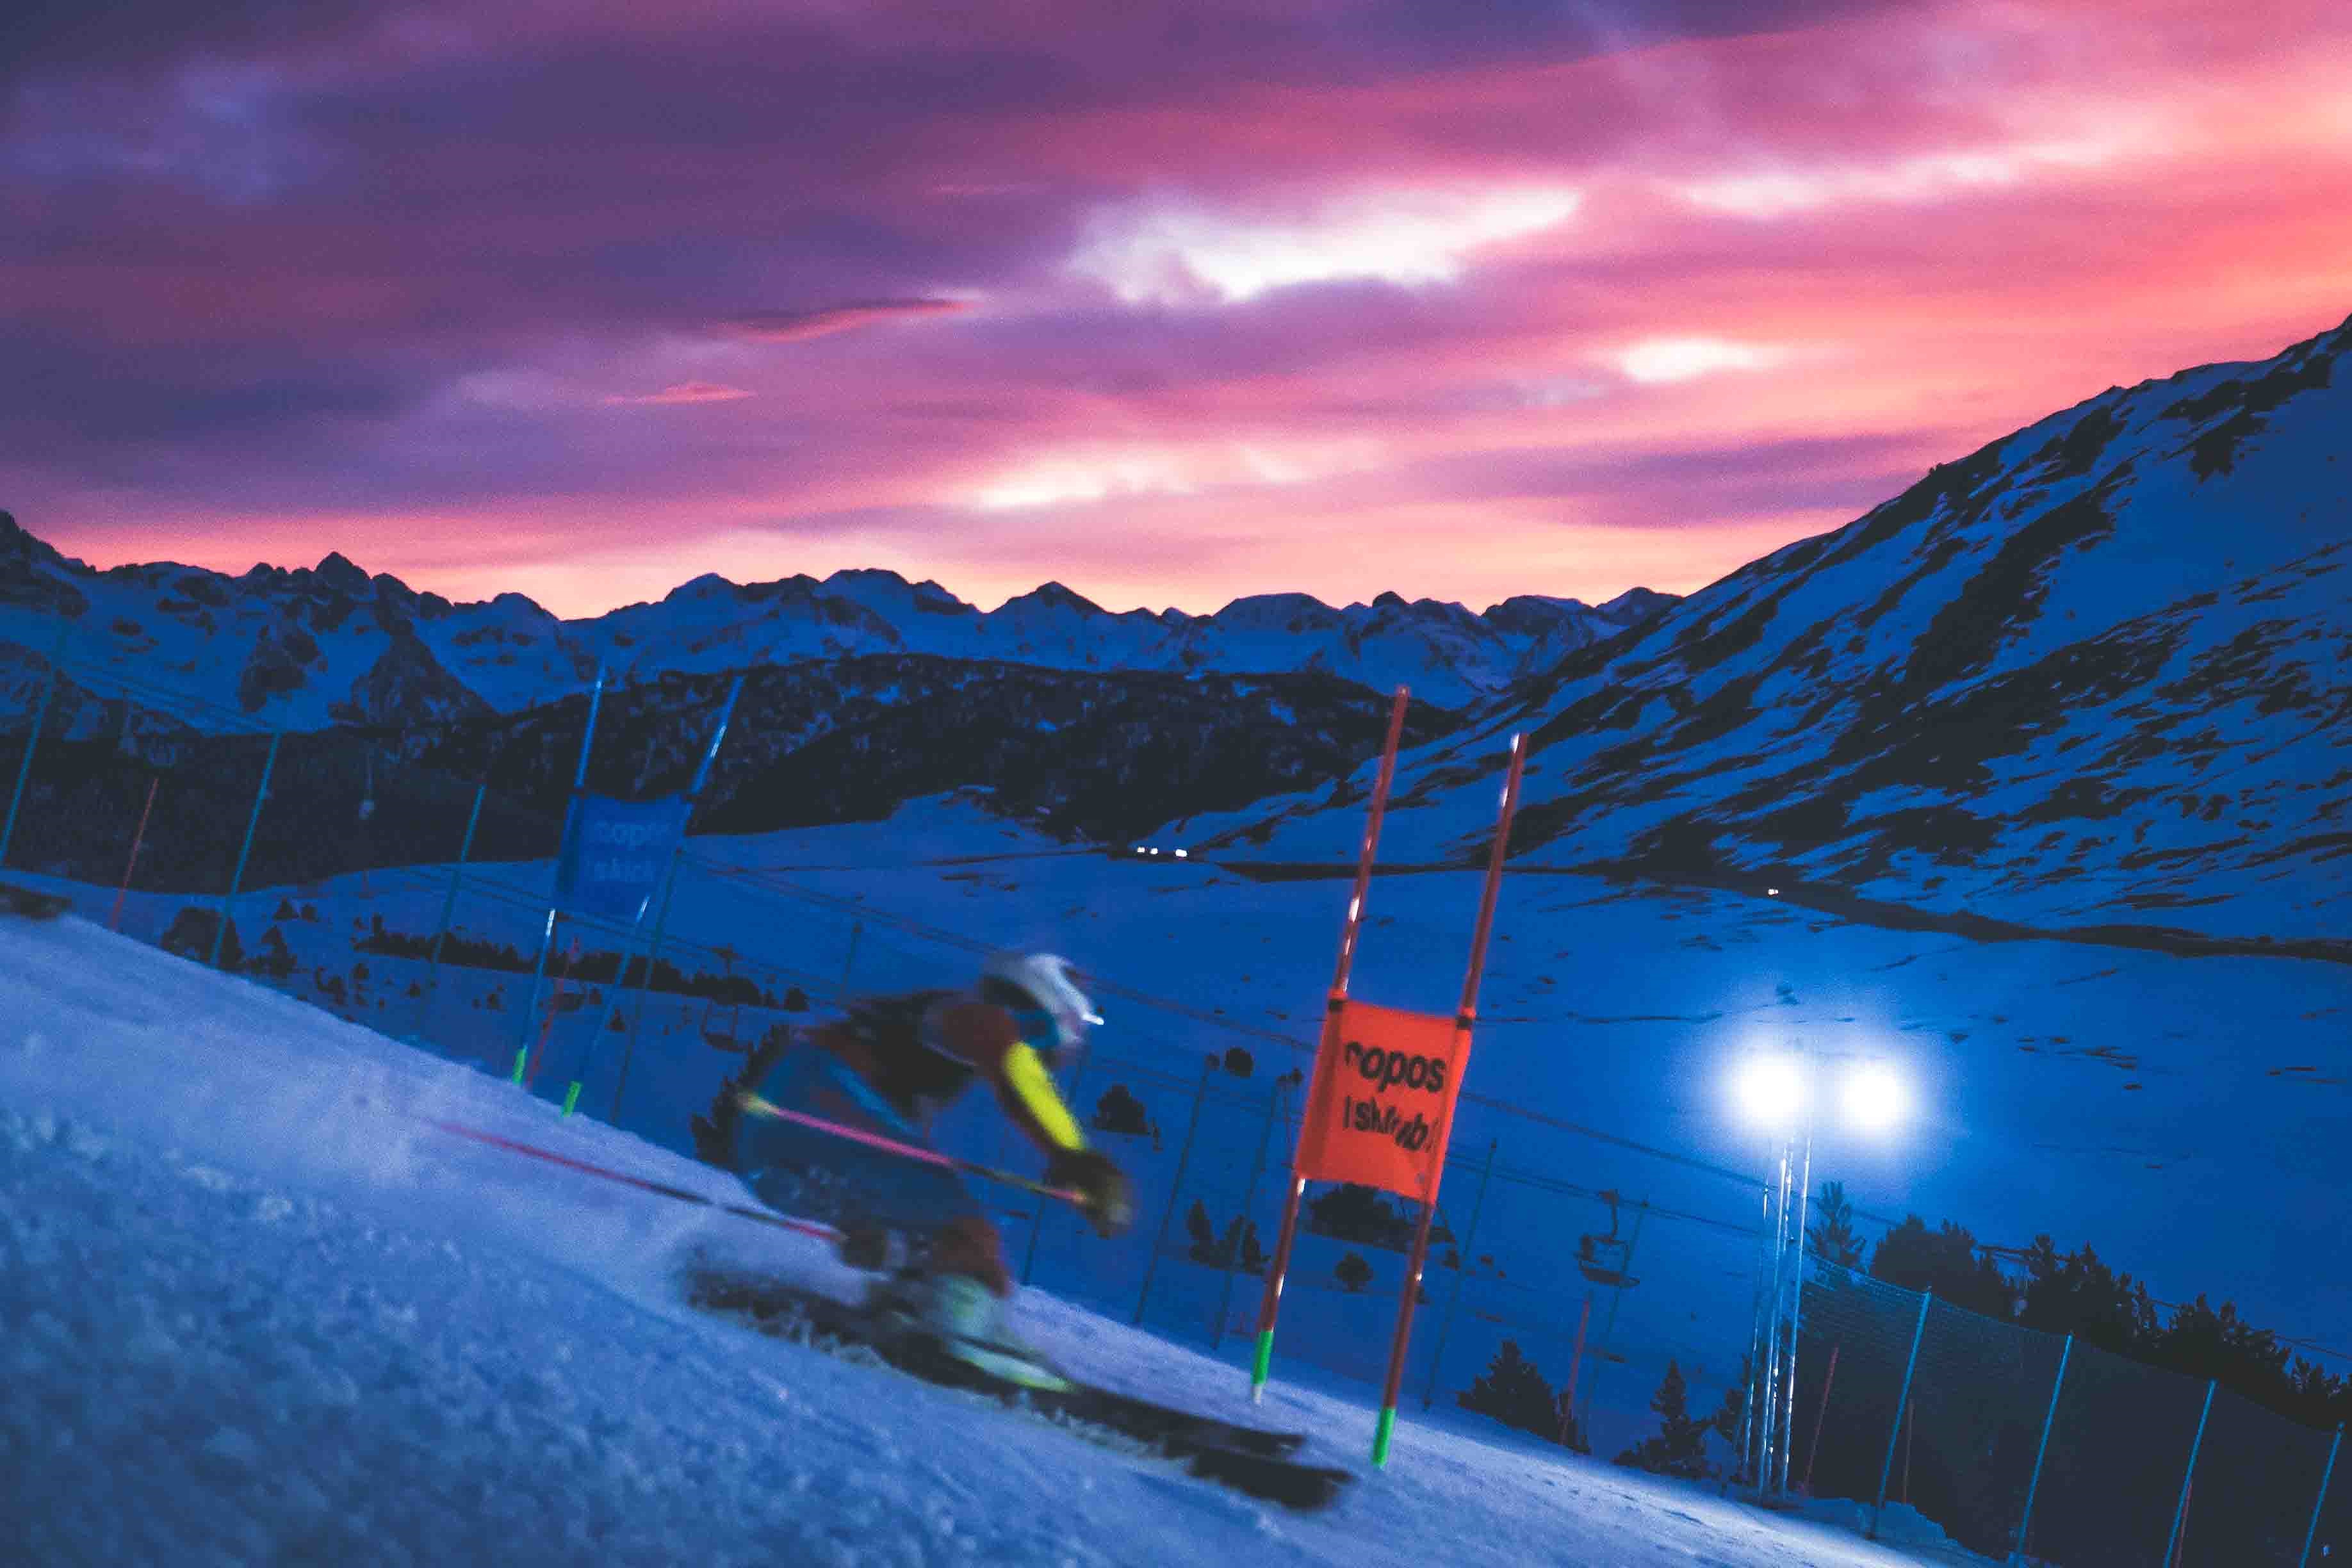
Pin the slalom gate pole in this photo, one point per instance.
(570, 813)
(759, 1107)
(236, 877)
(1270, 1300)
(1463, 1017)
(659, 1189)
(694, 793)
(449, 907)
(33, 735)
(1462, 1266)
(138, 836)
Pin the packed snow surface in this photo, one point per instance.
(255, 1307)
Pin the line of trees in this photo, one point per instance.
(2078, 1292)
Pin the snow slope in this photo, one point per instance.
(2123, 1096)
(2098, 673)
(256, 1309)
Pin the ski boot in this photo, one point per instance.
(965, 1322)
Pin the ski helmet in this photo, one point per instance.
(1046, 983)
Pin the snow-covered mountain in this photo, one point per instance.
(2098, 672)
(313, 647)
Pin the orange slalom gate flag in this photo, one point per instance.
(1382, 1106)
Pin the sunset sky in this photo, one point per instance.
(1170, 303)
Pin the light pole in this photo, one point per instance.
(1781, 1092)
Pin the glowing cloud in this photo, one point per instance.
(685, 392)
(1173, 255)
(1094, 474)
(1658, 359)
(1777, 192)
(798, 326)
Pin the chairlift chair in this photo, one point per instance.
(1603, 1258)
(724, 1039)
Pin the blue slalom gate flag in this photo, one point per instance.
(614, 854)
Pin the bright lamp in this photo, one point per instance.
(1769, 1090)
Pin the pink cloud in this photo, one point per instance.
(799, 326)
(687, 392)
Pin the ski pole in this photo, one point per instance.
(659, 1189)
(759, 1107)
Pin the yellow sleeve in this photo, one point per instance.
(1030, 1095)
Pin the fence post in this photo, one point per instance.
(236, 877)
(1462, 1266)
(33, 738)
(1183, 1155)
(2034, 1483)
(1902, 1403)
(2325, 1477)
(2180, 1509)
(1242, 1225)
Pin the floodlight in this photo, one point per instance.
(1873, 1097)
(1769, 1088)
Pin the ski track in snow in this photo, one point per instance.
(254, 1311)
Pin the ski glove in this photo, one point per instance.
(1106, 1196)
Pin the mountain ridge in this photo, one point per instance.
(301, 646)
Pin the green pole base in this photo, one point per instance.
(1261, 1359)
(520, 1056)
(571, 1097)
(1382, 1434)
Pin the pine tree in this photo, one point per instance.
(1204, 1234)
(1515, 1392)
(1833, 1237)
(1679, 1449)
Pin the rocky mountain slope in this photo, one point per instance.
(2098, 673)
(1087, 757)
(313, 647)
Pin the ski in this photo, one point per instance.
(1251, 1460)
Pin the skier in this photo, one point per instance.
(889, 1068)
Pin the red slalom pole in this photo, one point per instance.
(1829, 1381)
(114, 921)
(1270, 1302)
(547, 1026)
(1575, 1367)
(659, 1189)
(1463, 1018)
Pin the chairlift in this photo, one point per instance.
(1604, 1260)
(724, 1039)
